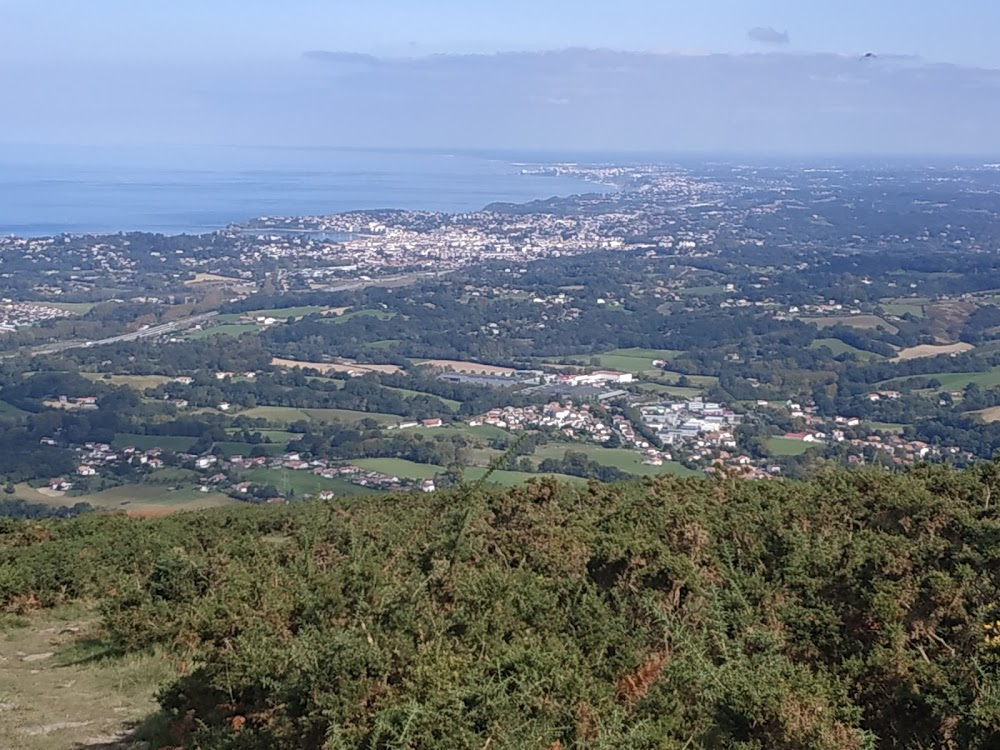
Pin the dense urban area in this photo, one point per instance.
(705, 460)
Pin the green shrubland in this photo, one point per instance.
(854, 610)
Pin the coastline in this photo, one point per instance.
(199, 196)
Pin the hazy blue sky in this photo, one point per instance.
(960, 31)
(231, 72)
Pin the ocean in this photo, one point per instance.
(173, 190)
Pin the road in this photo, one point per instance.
(157, 330)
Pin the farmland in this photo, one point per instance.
(326, 367)
(620, 458)
(137, 382)
(282, 415)
(864, 322)
(231, 329)
(930, 350)
(788, 447)
(471, 368)
(839, 347)
(398, 467)
(303, 483)
(959, 380)
(636, 361)
(134, 499)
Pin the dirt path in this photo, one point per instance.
(59, 690)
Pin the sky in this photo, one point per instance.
(961, 31)
(711, 75)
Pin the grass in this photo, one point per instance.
(620, 458)
(82, 696)
(636, 361)
(449, 402)
(515, 478)
(8, 410)
(702, 291)
(286, 415)
(671, 390)
(399, 467)
(234, 448)
(887, 426)
(279, 437)
(304, 482)
(900, 309)
(176, 443)
(136, 382)
(380, 314)
(485, 432)
(787, 447)
(956, 381)
(702, 381)
(865, 322)
(136, 499)
(284, 313)
(223, 330)
(839, 347)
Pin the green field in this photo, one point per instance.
(399, 467)
(702, 291)
(152, 499)
(176, 443)
(304, 482)
(787, 447)
(634, 360)
(956, 381)
(902, 308)
(702, 381)
(620, 458)
(137, 382)
(232, 329)
(278, 437)
(839, 347)
(887, 426)
(286, 415)
(380, 314)
(514, 478)
(671, 390)
(284, 313)
(450, 403)
(244, 449)
(7, 410)
(865, 322)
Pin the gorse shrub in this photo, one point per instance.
(850, 611)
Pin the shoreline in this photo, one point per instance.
(169, 201)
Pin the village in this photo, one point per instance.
(14, 315)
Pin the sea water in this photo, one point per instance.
(49, 190)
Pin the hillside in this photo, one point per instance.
(855, 610)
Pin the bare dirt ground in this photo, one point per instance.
(932, 350)
(331, 367)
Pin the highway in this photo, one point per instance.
(157, 330)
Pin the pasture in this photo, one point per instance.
(286, 415)
(134, 499)
(787, 447)
(864, 322)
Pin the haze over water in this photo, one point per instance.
(173, 190)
